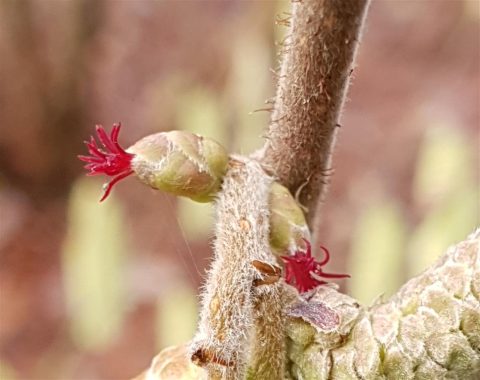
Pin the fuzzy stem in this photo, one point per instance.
(268, 351)
(230, 301)
(317, 62)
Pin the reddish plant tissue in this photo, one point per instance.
(304, 272)
(111, 160)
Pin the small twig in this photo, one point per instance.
(311, 90)
(242, 281)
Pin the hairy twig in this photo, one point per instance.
(230, 301)
(268, 349)
(314, 76)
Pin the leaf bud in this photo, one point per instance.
(181, 163)
(288, 227)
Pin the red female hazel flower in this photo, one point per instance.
(111, 160)
(304, 272)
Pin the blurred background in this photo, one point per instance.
(94, 291)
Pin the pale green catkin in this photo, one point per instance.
(429, 330)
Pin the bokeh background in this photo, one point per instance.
(94, 291)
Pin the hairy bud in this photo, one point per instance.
(181, 163)
(288, 227)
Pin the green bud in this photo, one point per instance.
(181, 163)
(287, 222)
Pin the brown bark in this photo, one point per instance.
(317, 63)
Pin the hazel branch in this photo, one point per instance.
(314, 76)
(229, 311)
